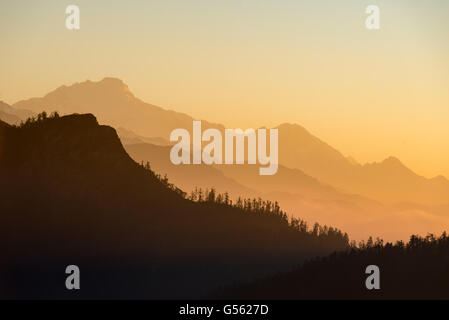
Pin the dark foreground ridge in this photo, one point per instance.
(72, 195)
(418, 269)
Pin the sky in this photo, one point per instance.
(370, 94)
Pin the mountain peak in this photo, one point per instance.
(392, 161)
(113, 82)
(109, 86)
(292, 126)
(89, 142)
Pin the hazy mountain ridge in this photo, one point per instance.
(388, 181)
(70, 192)
(129, 137)
(187, 177)
(111, 100)
(113, 103)
(302, 196)
(315, 180)
(9, 118)
(11, 115)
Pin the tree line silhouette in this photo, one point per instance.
(67, 183)
(253, 206)
(40, 118)
(417, 269)
(70, 192)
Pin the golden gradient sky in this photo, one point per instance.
(370, 94)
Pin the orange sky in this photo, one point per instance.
(370, 94)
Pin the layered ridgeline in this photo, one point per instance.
(314, 181)
(114, 104)
(12, 115)
(302, 196)
(72, 195)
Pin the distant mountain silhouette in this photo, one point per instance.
(9, 118)
(72, 195)
(300, 149)
(187, 177)
(129, 137)
(113, 103)
(302, 196)
(389, 181)
(11, 115)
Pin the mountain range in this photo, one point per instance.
(72, 195)
(314, 179)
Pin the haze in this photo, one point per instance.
(370, 94)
